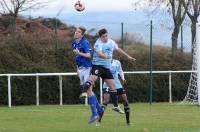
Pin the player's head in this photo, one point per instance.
(103, 34)
(79, 33)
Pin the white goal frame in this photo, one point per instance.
(198, 59)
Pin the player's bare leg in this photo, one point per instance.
(112, 90)
(126, 108)
(113, 95)
(106, 99)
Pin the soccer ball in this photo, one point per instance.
(79, 5)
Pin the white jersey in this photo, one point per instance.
(116, 70)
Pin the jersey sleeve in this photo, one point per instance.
(86, 47)
(121, 72)
(73, 45)
(98, 47)
(116, 47)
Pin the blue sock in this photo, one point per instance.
(93, 103)
(99, 108)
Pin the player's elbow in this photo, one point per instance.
(101, 55)
(89, 56)
(119, 50)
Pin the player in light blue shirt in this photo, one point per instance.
(118, 75)
(102, 57)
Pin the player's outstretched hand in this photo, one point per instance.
(131, 58)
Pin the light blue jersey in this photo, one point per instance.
(107, 49)
(116, 70)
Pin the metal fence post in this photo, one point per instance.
(122, 34)
(151, 64)
(9, 91)
(170, 87)
(37, 91)
(60, 86)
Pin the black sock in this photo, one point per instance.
(127, 112)
(113, 95)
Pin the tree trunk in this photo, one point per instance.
(193, 31)
(175, 39)
(11, 24)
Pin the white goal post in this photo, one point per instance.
(193, 92)
(198, 59)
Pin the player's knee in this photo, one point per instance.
(124, 98)
(126, 105)
(93, 78)
(87, 85)
(127, 109)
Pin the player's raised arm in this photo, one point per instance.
(102, 55)
(99, 51)
(87, 55)
(119, 50)
(87, 51)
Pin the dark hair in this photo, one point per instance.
(102, 32)
(82, 29)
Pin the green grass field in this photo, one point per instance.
(159, 117)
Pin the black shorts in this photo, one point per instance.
(120, 91)
(102, 72)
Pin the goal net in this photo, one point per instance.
(193, 92)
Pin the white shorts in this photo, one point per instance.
(83, 74)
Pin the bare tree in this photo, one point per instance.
(12, 8)
(193, 12)
(178, 14)
(178, 9)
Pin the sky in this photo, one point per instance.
(91, 6)
(54, 6)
